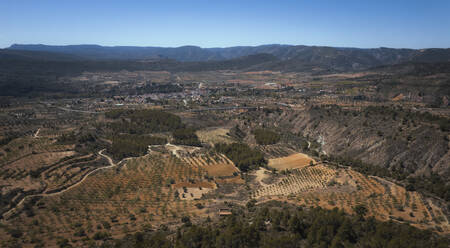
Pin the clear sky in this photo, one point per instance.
(217, 23)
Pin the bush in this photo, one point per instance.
(101, 235)
(15, 233)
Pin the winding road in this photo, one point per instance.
(111, 162)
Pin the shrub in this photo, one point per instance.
(101, 235)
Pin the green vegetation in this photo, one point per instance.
(272, 226)
(86, 140)
(433, 184)
(143, 121)
(244, 157)
(266, 137)
(127, 145)
(8, 137)
(133, 125)
(400, 113)
(186, 136)
(237, 132)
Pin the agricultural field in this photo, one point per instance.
(328, 187)
(215, 164)
(276, 151)
(153, 189)
(294, 161)
(307, 178)
(39, 164)
(215, 135)
(151, 155)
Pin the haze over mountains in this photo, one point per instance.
(282, 57)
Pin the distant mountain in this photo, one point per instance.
(12, 54)
(96, 52)
(284, 57)
(292, 58)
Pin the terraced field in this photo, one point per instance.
(34, 165)
(26, 146)
(308, 178)
(385, 201)
(275, 151)
(215, 164)
(344, 188)
(121, 200)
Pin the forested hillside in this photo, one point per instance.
(280, 225)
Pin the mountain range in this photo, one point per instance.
(276, 57)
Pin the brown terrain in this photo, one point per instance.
(59, 178)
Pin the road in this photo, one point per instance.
(79, 111)
(220, 108)
(111, 165)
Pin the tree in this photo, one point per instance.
(360, 211)
(244, 157)
(266, 137)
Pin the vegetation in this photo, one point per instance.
(52, 142)
(298, 181)
(433, 184)
(244, 157)
(143, 121)
(400, 113)
(127, 145)
(237, 132)
(288, 227)
(186, 136)
(266, 137)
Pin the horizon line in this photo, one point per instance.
(217, 47)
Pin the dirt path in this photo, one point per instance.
(111, 162)
(175, 148)
(260, 175)
(37, 133)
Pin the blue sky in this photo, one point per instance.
(215, 23)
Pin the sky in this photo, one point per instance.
(217, 23)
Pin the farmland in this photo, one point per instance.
(39, 165)
(215, 135)
(344, 188)
(217, 165)
(139, 192)
(297, 160)
(92, 170)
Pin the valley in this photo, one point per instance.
(145, 151)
